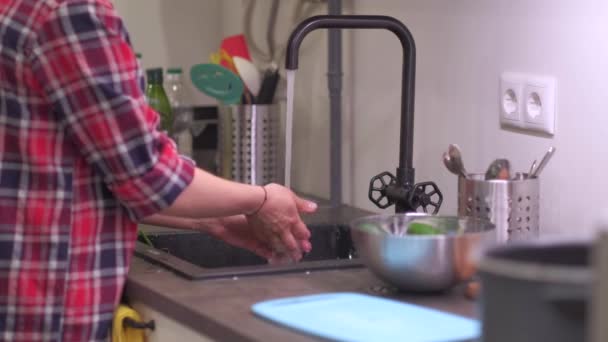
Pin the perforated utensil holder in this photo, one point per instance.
(251, 140)
(512, 205)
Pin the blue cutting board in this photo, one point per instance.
(357, 317)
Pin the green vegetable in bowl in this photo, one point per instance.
(368, 227)
(419, 228)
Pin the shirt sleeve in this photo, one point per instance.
(83, 59)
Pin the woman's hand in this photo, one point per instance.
(278, 224)
(236, 231)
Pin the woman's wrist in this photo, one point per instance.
(261, 203)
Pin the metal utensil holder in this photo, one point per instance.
(512, 205)
(250, 147)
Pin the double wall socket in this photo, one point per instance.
(528, 102)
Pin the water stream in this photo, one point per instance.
(289, 125)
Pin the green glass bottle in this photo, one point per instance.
(157, 98)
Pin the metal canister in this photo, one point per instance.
(251, 139)
(512, 205)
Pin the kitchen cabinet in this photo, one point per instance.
(167, 328)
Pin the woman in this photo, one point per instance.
(82, 162)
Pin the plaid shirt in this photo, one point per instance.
(81, 161)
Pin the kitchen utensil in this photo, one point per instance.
(420, 263)
(247, 98)
(512, 205)
(224, 59)
(532, 167)
(268, 87)
(215, 58)
(359, 317)
(250, 144)
(453, 161)
(543, 162)
(456, 158)
(448, 164)
(249, 73)
(236, 46)
(519, 176)
(535, 292)
(499, 169)
(217, 82)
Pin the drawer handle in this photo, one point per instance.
(131, 323)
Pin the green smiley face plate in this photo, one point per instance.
(217, 82)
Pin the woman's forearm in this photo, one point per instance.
(171, 222)
(212, 196)
(207, 225)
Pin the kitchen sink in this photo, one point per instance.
(200, 256)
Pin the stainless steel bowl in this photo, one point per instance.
(421, 263)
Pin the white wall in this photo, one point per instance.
(463, 46)
(178, 33)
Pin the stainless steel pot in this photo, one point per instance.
(535, 292)
(422, 263)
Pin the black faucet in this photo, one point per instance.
(384, 189)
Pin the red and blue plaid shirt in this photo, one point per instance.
(81, 160)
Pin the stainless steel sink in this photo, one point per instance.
(199, 256)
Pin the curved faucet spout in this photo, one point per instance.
(405, 171)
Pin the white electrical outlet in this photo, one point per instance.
(510, 99)
(539, 107)
(527, 102)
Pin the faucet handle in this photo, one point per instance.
(378, 187)
(425, 195)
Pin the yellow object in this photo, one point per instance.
(215, 58)
(122, 333)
